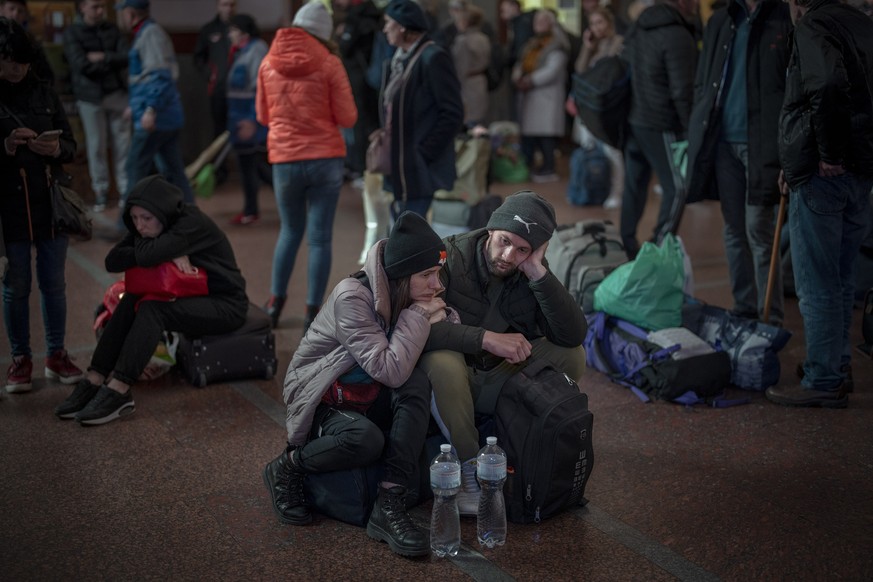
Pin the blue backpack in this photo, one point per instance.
(590, 177)
(622, 351)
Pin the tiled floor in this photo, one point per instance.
(174, 492)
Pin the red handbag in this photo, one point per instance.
(165, 282)
(357, 397)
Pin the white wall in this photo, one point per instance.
(177, 15)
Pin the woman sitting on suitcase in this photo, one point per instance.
(367, 338)
(161, 229)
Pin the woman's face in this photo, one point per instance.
(12, 71)
(425, 285)
(393, 31)
(598, 25)
(146, 223)
(542, 23)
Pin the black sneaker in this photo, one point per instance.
(106, 406)
(390, 523)
(77, 400)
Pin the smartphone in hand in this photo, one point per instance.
(50, 135)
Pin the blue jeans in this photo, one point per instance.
(160, 148)
(828, 218)
(748, 236)
(307, 193)
(51, 258)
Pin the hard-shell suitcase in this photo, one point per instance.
(248, 352)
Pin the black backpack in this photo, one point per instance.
(603, 97)
(543, 423)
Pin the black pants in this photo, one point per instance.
(133, 333)
(647, 150)
(343, 439)
(254, 169)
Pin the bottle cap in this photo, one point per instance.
(491, 440)
(446, 448)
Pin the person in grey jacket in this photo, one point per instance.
(370, 331)
(96, 51)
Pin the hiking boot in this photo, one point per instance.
(800, 396)
(284, 481)
(82, 394)
(468, 496)
(18, 375)
(390, 523)
(106, 406)
(58, 366)
(273, 308)
(848, 383)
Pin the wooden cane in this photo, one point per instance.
(775, 262)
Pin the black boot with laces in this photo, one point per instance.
(284, 481)
(390, 523)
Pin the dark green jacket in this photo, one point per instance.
(532, 308)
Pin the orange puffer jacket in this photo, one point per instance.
(303, 97)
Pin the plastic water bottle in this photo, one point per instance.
(491, 471)
(445, 523)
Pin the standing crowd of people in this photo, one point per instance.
(778, 102)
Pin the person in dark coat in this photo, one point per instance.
(423, 109)
(161, 228)
(662, 50)
(28, 109)
(733, 152)
(355, 37)
(211, 57)
(826, 150)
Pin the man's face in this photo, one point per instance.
(393, 31)
(235, 35)
(226, 9)
(14, 11)
(93, 11)
(504, 252)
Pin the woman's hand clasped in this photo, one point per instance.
(184, 265)
(435, 308)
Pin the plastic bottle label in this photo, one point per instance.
(492, 471)
(445, 476)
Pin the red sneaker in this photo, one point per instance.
(18, 375)
(59, 366)
(242, 219)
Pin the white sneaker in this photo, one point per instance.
(468, 497)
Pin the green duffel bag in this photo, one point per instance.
(505, 169)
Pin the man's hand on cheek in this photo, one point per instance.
(533, 266)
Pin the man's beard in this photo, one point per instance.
(497, 267)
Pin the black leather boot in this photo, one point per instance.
(390, 523)
(273, 307)
(311, 312)
(284, 481)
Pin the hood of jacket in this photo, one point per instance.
(157, 196)
(296, 53)
(661, 15)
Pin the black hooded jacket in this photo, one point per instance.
(827, 114)
(187, 231)
(662, 50)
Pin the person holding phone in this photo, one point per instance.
(36, 135)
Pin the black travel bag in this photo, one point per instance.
(543, 423)
(249, 352)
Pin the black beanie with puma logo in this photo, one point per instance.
(526, 214)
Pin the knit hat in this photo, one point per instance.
(526, 214)
(314, 19)
(138, 4)
(246, 24)
(407, 14)
(412, 247)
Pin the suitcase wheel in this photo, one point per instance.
(201, 380)
(268, 373)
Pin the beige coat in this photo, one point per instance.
(471, 52)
